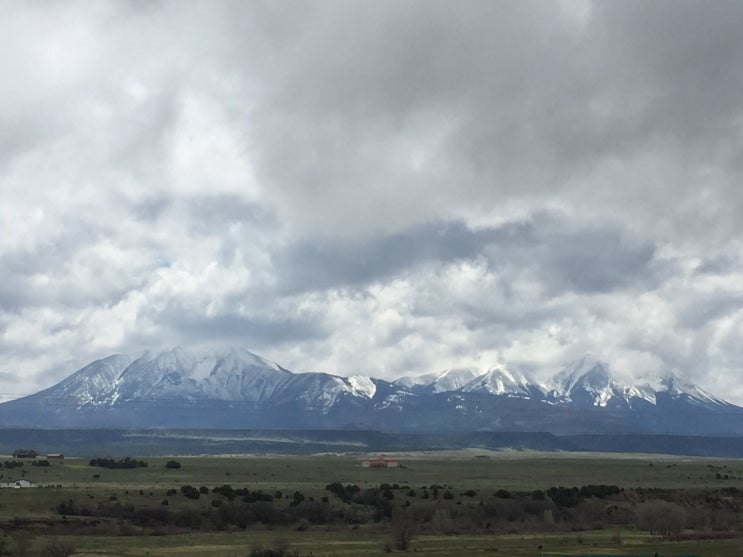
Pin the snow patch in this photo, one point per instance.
(453, 379)
(362, 386)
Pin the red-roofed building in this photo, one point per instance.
(379, 462)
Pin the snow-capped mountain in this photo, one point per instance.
(500, 381)
(235, 388)
(322, 391)
(674, 387)
(91, 382)
(176, 374)
(589, 382)
(451, 379)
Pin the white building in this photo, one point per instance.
(17, 484)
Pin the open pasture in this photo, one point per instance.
(352, 543)
(513, 470)
(466, 481)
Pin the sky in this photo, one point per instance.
(383, 188)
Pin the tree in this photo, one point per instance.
(57, 548)
(402, 530)
(280, 549)
(190, 491)
(661, 518)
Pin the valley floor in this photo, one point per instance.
(355, 544)
(455, 503)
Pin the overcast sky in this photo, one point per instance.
(382, 188)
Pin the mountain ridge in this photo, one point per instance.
(237, 388)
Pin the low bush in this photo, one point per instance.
(124, 463)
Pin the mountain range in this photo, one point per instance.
(234, 388)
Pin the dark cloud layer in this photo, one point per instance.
(381, 188)
(584, 260)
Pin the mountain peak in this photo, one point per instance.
(453, 379)
(671, 384)
(588, 370)
(589, 382)
(501, 381)
(233, 386)
(175, 374)
(89, 382)
(188, 357)
(450, 379)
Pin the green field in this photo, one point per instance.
(31, 518)
(358, 544)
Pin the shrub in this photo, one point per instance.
(125, 463)
(598, 491)
(226, 491)
(661, 517)
(402, 531)
(190, 491)
(23, 541)
(67, 508)
(564, 496)
(280, 549)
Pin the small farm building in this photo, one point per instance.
(18, 484)
(379, 462)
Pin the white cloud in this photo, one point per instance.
(395, 189)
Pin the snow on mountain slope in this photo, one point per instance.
(500, 381)
(237, 375)
(182, 374)
(177, 374)
(589, 381)
(672, 385)
(319, 391)
(451, 379)
(241, 375)
(362, 386)
(417, 380)
(170, 374)
(89, 383)
(566, 379)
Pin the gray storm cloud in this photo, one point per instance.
(382, 188)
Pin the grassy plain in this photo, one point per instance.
(33, 512)
(358, 544)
